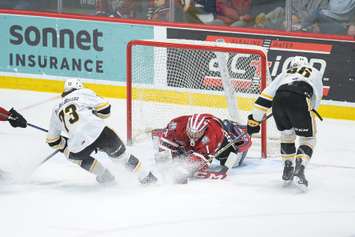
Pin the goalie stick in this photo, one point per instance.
(220, 172)
(231, 143)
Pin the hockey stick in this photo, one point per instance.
(49, 156)
(37, 127)
(28, 124)
(231, 143)
(220, 172)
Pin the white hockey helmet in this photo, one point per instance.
(298, 61)
(196, 127)
(72, 84)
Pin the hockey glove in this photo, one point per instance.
(253, 125)
(63, 144)
(16, 119)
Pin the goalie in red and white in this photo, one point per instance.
(201, 138)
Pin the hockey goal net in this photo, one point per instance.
(170, 78)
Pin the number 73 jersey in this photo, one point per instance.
(75, 115)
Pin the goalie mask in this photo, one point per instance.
(196, 127)
(298, 61)
(72, 84)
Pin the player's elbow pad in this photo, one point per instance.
(104, 112)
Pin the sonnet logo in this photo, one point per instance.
(80, 41)
(51, 37)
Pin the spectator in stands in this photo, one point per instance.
(159, 11)
(134, 9)
(232, 12)
(207, 6)
(23, 4)
(183, 11)
(273, 19)
(351, 28)
(104, 8)
(303, 9)
(334, 19)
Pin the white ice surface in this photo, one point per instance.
(58, 199)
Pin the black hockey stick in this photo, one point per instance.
(28, 124)
(44, 130)
(231, 143)
(41, 129)
(220, 172)
(37, 127)
(49, 156)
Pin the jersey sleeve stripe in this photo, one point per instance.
(52, 139)
(54, 142)
(263, 102)
(266, 96)
(104, 112)
(262, 108)
(102, 106)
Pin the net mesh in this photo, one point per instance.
(169, 82)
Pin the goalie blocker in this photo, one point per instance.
(199, 139)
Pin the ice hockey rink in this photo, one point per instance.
(58, 199)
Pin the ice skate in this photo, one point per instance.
(149, 179)
(287, 175)
(299, 177)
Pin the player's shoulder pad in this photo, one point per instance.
(86, 91)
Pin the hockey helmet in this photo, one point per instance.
(298, 61)
(72, 84)
(196, 127)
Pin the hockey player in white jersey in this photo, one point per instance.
(81, 115)
(294, 96)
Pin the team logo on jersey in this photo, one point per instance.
(205, 140)
(172, 126)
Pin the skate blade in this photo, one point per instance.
(301, 187)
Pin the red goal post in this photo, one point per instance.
(192, 75)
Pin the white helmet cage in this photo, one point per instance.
(72, 83)
(298, 61)
(196, 127)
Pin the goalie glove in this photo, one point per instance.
(253, 125)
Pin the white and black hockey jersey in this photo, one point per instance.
(307, 74)
(76, 115)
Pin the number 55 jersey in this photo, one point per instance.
(80, 114)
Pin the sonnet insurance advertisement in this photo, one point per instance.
(64, 47)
